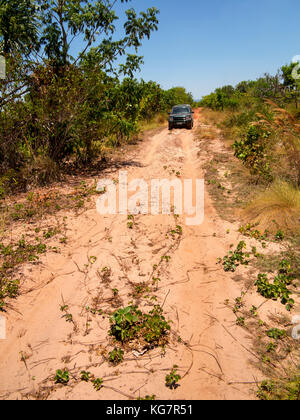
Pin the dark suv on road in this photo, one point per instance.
(181, 116)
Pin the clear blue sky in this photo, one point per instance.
(202, 45)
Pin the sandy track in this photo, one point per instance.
(213, 354)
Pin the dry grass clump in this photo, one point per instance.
(213, 117)
(279, 203)
(207, 133)
(41, 171)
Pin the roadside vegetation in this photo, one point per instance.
(255, 178)
(260, 121)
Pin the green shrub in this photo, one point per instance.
(235, 258)
(130, 323)
(252, 151)
(275, 290)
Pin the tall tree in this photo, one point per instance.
(65, 20)
(18, 27)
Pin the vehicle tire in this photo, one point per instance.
(190, 126)
(170, 127)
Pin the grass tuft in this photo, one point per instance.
(277, 207)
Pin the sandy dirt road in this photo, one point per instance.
(213, 354)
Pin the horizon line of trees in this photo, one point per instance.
(284, 87)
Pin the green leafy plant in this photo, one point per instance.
(240, 321)
(62, 377)
(253, 311)
(116, 356)
(276, 333)
(285, 389)
(276, 290)
(147, 398)
(279, 236)
(250, 231)
(8, 289)
(97, 383)
(156, 281)
(139, 289)
(85, 376)
(265, 388)
(50, 233)
(154, 326)
(271, 347)
(173, 378)
(235, 258)
(67, 315)
(130, 323)
(177, 231)
(238, 304)
(124, 323)
(12, 255)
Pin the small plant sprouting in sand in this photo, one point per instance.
(176, 231)
(67, 315)
(156, 281)
(173, 378)
(240, 321)
(147, 398)
(97, 383)
(93, 259)
(130, 223)
(62, 377)
(116, 356)
(85, 376)
(253, 311)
